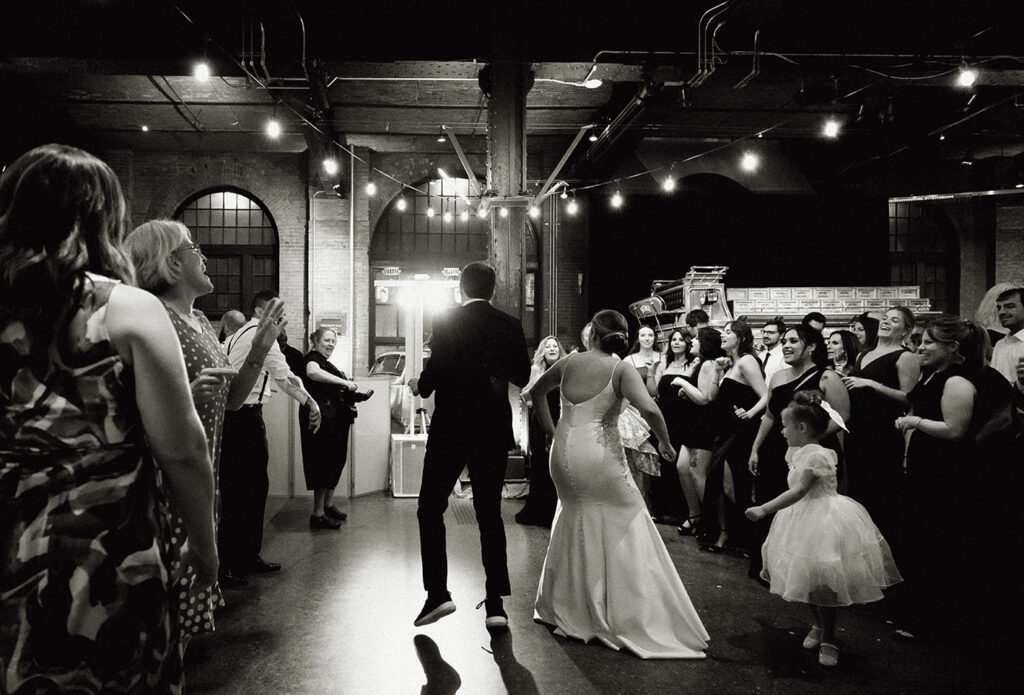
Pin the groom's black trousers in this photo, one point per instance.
(444, 461)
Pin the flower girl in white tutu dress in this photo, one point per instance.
(822, 549)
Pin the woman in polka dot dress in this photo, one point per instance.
(171, 266)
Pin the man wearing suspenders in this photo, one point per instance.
(244, 455)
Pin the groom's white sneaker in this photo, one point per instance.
(434, 609)
(496, 616)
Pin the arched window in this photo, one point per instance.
(239, 240)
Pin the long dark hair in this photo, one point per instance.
(710, 342)
(62, 213)
(812, 339)
(745, 336)
(870, 326)
(851, 346)
(667, 357)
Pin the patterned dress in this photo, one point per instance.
(84, 530)
(201, 350)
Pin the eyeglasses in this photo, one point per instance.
(190, 247)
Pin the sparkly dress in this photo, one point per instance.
(85, 544)
(201, 350)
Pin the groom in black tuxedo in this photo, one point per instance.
(475, 351)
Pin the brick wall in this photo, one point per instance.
(1009, 242)
(157, 183)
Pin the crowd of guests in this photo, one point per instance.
(133, 448)
(927, 437)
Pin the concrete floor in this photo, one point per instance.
(338, 619)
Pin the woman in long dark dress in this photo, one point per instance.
(803, 351)
(940, 467)
(742, 398)
(664, 381)
(325, 451)
(879, 383)
(95, 408)
(539, 508)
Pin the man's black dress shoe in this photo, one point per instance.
(231, 578)
(261, 566)
(333, 512)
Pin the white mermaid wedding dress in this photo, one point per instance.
(607, 574)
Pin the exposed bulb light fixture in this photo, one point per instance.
(430, 211)
(201, 71)
(464, 215)
(572, 208)
(617, 200)
(331, 166)
(503, 212)
(533, 212)
(592, 137)
(831, 128)
(371, 189)
(564, 194)
(441, 135)
(447, 216)
(274, 128)
(481, 212)
(401, 204)
(966, 77)
(668, 185)
(593, 83)
(750, 162)
(145, 128)
(942, 137)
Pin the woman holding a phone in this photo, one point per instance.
(170, 265)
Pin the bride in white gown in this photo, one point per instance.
(607, 574)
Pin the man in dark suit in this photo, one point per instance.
(476, 350)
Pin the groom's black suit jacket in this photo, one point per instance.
(475, 351)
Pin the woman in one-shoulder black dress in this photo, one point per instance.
(742, 397)
(803, 351)
(878, 385)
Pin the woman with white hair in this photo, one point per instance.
(171, 266)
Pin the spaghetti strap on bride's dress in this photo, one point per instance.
(607, 574)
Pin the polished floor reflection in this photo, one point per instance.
(338, 619)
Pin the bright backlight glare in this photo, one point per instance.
(534, 211)
(967, 77)
(447, 216)
(481, 212)
(750, 161)
(669, 184)
(831, 128)
(464, 215)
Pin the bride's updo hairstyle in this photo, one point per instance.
(806, 407)
(610, 332)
